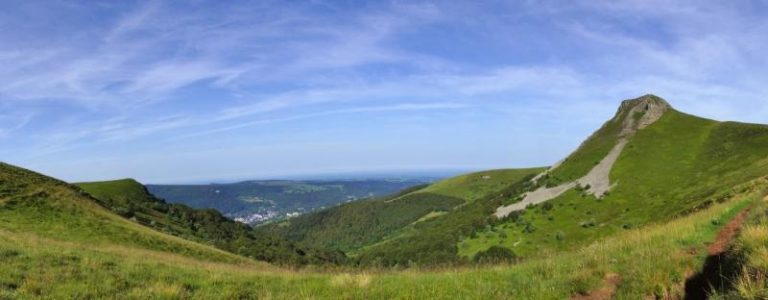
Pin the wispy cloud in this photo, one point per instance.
(403, 107)
(83, 78)
(10, 123)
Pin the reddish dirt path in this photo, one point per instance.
(700, 284)
(697, 286)
(726, 235)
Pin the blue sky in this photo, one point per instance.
(177, 91)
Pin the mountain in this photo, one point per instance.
(258, 201)
(132, 200)
(649, 164)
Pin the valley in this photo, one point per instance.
(255, 202)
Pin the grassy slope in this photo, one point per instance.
(433, 241)
(354, 226)
(652, 261)
(132, 200)
(474, 186)
(34, 204)
(667, 169)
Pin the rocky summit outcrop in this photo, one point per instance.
(640, 113)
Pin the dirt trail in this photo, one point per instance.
(699, 285)
(727, 234)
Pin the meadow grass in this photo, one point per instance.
(651, 261)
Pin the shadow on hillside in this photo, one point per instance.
(712, 277)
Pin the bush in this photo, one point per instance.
(495, 255)
(529, 228)
(588, 223)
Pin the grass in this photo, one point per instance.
(656, 259)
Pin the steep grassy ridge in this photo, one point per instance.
(132, 200)
(679, 163)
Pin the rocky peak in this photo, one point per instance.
(639, 113)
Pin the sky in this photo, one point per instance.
(181, 91)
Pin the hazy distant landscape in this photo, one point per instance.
(255, 202)
(582, 150)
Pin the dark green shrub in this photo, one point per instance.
(495, 255)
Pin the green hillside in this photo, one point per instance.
(676, 165)
(130, 199)
(356, 224)
(434, 216)
(38, 206)
(474, 186)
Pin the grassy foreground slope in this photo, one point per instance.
(652, 261)
(674, 166)
(131, 199)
